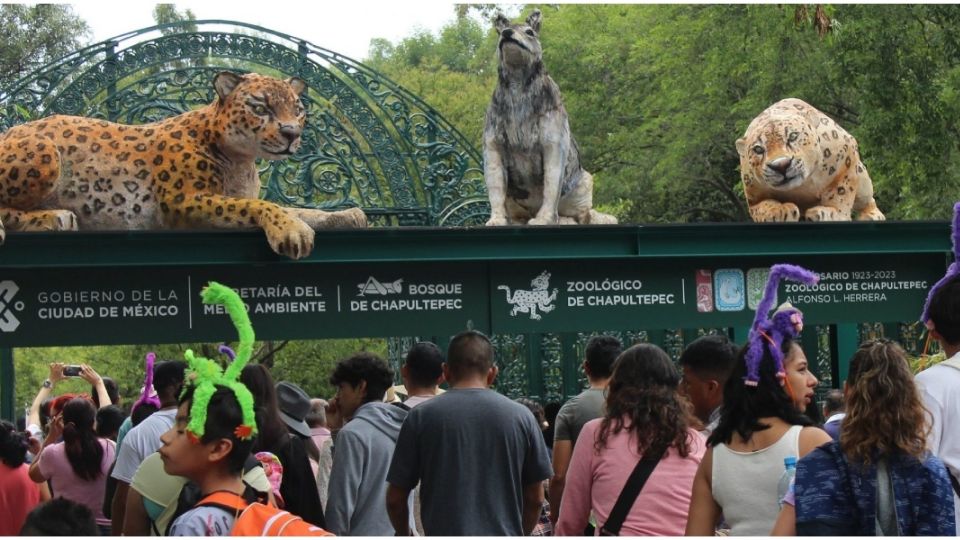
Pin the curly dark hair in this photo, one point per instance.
(364, 366)
(744, 405)
(885, 415)
(644, 398)
(60, 517)
(13, 445)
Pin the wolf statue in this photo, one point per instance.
(531, 163)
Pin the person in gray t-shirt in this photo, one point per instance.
(600, 355)
(479, 457)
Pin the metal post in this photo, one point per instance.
(534, 367)
(844, 341)
(8, 395)
(113, 108)
(570, 366)
(302, 53)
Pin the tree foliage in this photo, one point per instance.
(657, 94)
(306, 363)
(33, 35)
(168, 13)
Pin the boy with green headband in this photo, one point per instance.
(214, 460)
(215, 427)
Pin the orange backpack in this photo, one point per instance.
(258, 519)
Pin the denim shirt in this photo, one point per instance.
(837, 497)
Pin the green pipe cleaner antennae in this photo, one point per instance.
(216, 293)
(207, 374)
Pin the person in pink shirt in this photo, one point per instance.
(645, 415)
(77, 467)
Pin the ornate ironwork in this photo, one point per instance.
(510, 355)
(639, 336)
(824, 363)
(551, 363)
(396, 353)
(870, 330)
(913, 337)
(673, 343)
(368, 142)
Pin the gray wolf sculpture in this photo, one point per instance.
(531, 163)
(195, 170)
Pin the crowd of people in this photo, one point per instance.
(702, 448)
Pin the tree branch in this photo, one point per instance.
(265, 354)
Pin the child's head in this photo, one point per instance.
(219, 448)
(13, 445)
(109, 420)
(216, 426)
(60, 517)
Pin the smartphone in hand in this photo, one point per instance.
(71, 371)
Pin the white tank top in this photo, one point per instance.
(745, 484)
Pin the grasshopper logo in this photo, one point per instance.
(8, 322)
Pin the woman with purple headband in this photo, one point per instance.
(879, 479)
(148, 402)
(761, 422)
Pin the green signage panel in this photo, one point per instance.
(89, 305)
(100, 306)
(558, 296)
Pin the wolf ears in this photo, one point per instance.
(534, 20)
(500, 22)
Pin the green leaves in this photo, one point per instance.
(33, 35)
(657, 94)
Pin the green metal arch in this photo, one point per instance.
(368, 142)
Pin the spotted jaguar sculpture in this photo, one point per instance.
(194, 170)
(797, 163)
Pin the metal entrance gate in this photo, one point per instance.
(368, 142)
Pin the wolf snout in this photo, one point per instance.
(509, 36)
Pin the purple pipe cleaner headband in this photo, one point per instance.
(953, 270)
(227, 351)
(770, 333)
(145, 397)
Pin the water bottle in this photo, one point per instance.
(790, 471)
